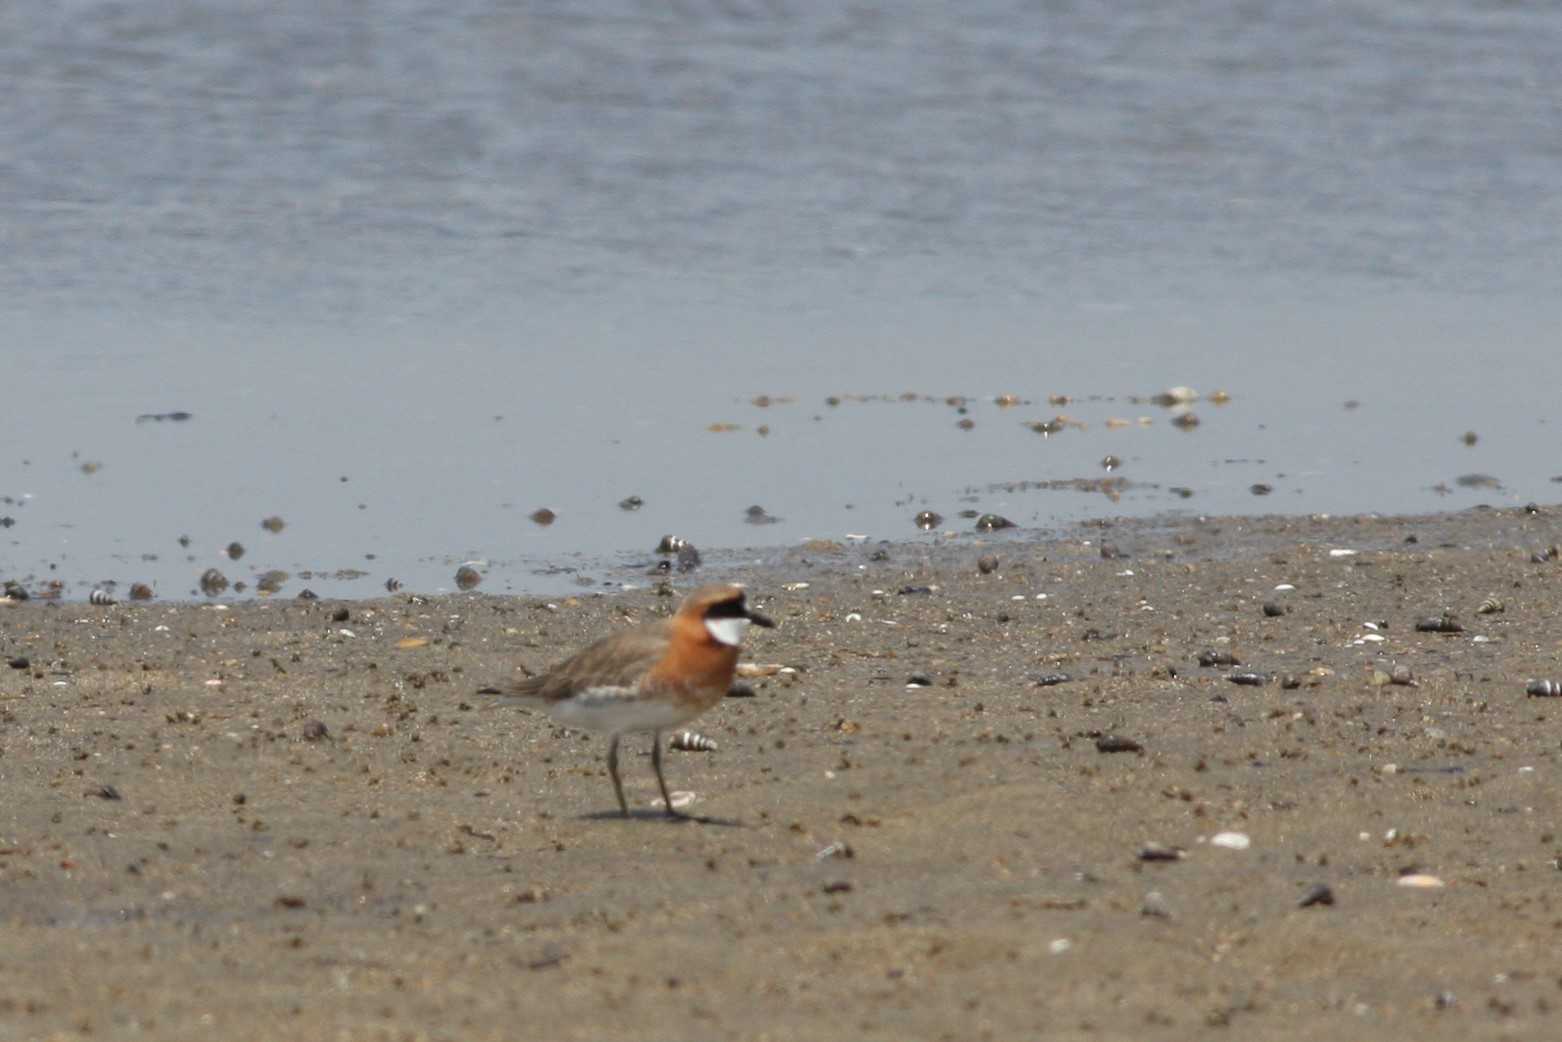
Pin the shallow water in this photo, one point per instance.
(477, 261)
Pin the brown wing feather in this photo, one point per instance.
(616, 661)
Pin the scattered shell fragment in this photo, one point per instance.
(1274, 610)
(671, 544)
(680, 798)
(140, 592)
(993, 522)
(1444, 623)
(1112, 743)
(1110, 463)
(1050, 679)
(1401, 675)
(1543, 689)
(630, 503)
(542, 516)
(1248, 679)
(927, 520)
(1260, 488)
(1548, 554)
(272, 581)
(1231, 840)
(315, 730)
(758, 515)
(1317, 895)
(467, 577)
(1155, 906)
(408, 643)
(1491, 606)
(273, 524)
(761, 669)
(987, 564)
(1420, 881)
(1153, 851)
(213, 582)
(234, 550)
(840, 848)
(1187, 421)
(101, 597)
(692, 742)
(1211, 657)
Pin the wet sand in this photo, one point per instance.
(268, 820)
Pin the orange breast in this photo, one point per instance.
(696, 669)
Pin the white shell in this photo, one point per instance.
(1230, 840)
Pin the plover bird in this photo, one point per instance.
(649, 678)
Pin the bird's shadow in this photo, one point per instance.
(663, 816)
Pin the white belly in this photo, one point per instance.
(619, 710)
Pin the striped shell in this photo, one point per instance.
(101, 596)
(692, 742)
(1544, 689)
(1490, 606)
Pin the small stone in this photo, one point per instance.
(1160, 852)
(234, 550)
(20, 662)
(543, 517)
(315, 730)
(919, 680)
(987, 564)
(1154, 906)
(1112, 743)
(1218, 658)
(1420, 881)
(1444, 623)
(1273, 610)
(1317, 894)
(213, 582)
(273, 524)
(630, 503)
(140, 592)
(927, 520)
(1231, 840)
(467, 577)
(992, 523)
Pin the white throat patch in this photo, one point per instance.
(727, 631)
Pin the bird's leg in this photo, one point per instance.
(656, 762)
(612, 770)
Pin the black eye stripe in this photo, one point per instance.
(727, 610)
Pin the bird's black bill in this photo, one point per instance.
(759, 620)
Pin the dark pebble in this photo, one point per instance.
(1218, 658)
(992, 522)
(688, 558)
(1260, 489)
(140, 592)
(916, 589)
(1535, 688)
(740, 689)
(1248, 679)
(543, 517)
(273, 525)
(987, 564)
(1317, 894)
(306, 594)
(1050, 679)
(339, 615)
(919, 680)
(213, 582)
(927, 520)
(758, 515)
(315, 730)
(631, 503)
(1111, 552)
(235, 550)
(1439, 624)
(105, 792)
(467, 577)
(1160, 852)
(1111, 743)
(20, 662)
(1273, 610)
(1290, 681)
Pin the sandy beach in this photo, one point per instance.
(973, 806)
